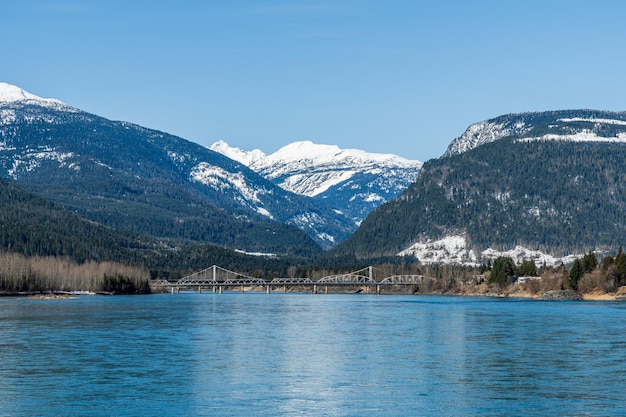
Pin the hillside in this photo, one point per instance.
(553, 182)
(33, 226)
(139, 180)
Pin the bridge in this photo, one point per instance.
(218, 278)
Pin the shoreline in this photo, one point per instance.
(481, 291)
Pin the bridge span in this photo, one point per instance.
(218, 278)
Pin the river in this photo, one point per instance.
(257, 354)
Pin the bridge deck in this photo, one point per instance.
(216, 276)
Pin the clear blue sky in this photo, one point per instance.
(392, 76)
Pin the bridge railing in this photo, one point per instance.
(291, 281)
(346, 279)
(404, 279)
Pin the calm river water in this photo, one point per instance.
(255, 354)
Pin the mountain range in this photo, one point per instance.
(537, 185)
(351, 181)
(543, 185)
(139, 180)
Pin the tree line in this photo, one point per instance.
(585, 275)
(19, 273)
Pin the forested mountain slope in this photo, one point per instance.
(33, 226)
(135, 179)
(554, 182)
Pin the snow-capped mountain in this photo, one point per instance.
(351, 181)
(10, 94)
(539, 186)
(133, 178)
(566, 125)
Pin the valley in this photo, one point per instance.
(544, 187)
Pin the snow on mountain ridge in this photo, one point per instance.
(564, 125)
(483, 132)
(237, 154)
(351, 181)
(309, 153)
(311, 169)
(10, 93)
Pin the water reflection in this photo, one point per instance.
(298, 354)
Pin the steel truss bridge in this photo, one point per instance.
(219, 278)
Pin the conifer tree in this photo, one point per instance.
(575, 273)
(620, 264)
(503, 269)
(589, 262)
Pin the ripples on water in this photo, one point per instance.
(256, 354)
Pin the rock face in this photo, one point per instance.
(561, 295)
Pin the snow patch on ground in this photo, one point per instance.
(312, 184)
(221, 180)
(264, 212)
(307, 221)
(175, 157)
(584, 135)
(261, 254)
(451, 249)
(593, 120)
(520, 254)
(30, 161)
(454, 250)
(7, 117)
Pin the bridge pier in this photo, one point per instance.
(314, 288)
(267, 289)
(378, 289)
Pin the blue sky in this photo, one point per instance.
(394, 76)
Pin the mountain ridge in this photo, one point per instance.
(552, 182)
(580, 125)
(352, 181)
(141, 180)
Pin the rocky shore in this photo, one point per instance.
(561, 295)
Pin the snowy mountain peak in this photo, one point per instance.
(237, 154)
(309, 153)
(10, 93)
(352, 181)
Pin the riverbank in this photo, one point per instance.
(51, 295)
(520, 291)
(480, 290)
